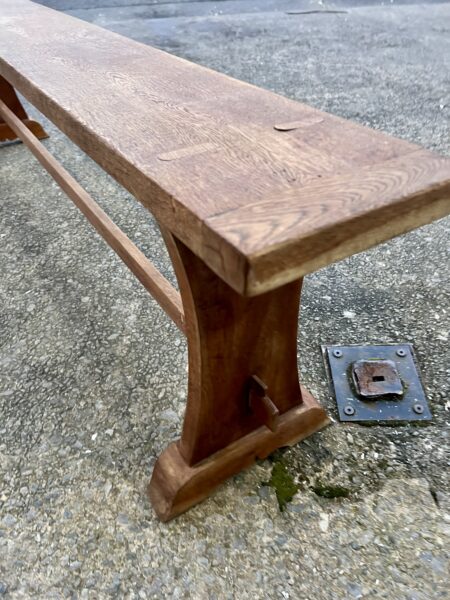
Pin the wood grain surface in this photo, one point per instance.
(200, 150)
(331, 218)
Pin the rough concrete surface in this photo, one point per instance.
(93, 375)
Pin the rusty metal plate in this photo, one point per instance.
(375, 378)
(376, 383)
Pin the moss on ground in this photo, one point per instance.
(330, 491)
(283, 483)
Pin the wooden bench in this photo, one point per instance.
(252, 191)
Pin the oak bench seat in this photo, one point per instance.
(252, 191)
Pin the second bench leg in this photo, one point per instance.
(9, 97)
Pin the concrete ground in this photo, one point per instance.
(93, 375)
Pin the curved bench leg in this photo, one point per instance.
(9, 97)
(244, 398)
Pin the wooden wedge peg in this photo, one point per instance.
(261, 405)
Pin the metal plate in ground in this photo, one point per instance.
(412, 406)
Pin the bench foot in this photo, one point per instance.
(8, 135)
(9, 97)
(175, 486)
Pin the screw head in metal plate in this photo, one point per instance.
(337, 353)
(401, 352)
(349, 410)
(418, 408)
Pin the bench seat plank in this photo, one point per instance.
(262, 188)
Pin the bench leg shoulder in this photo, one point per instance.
(244, 397)
(9, 97)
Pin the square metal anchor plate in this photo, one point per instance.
(376, 383)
